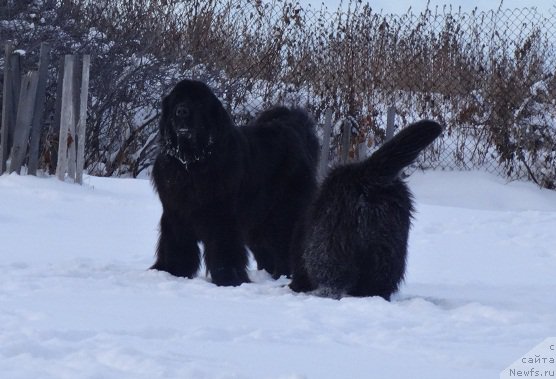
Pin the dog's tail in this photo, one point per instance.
(300, 121)
(400, 151)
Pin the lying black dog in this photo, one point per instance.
(230, 187)
(353, 240)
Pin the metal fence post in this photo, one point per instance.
(346, 139)
(390, 125)
(325, 149)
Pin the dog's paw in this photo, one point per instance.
(229, 277)
(300, 283)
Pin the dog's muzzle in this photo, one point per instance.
(184, 133)
(186, 149)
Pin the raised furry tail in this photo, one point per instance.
(402, 149)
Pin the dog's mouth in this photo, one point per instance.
(184, 133)
(189, 148)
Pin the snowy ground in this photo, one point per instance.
(76, 300)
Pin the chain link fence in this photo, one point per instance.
(489, 77)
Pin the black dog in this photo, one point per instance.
(353, 240)
(230, 187)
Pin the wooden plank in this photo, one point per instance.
(72, 139)
(36, 127)
(66, 118)
(53, 152)
(24, 119)
(325, 148)
(82, 123)
(15, 69)
(361, 152)
(7, 104)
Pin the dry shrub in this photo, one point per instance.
(488, 76)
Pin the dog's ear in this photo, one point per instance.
(222, 116)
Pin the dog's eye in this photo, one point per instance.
(181, 111)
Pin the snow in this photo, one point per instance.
(76, 299)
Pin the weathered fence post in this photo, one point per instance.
(15, 69)
(361, 150)
(7, 105)
(81, 124)
(67, 117)
(72, 139)
(346, 139)
(12, 83)
(39, 111)
(53, 153)
(325, 149)
(390, 118)
(73, 117)
(24, 119)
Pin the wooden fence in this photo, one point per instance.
(351, 148)
(23, 112)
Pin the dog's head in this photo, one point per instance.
(192, 119)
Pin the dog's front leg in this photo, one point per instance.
(177, 251)
(225, 252)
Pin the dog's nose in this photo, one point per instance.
(181, 111)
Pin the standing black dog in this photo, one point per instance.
(353, 240)
(230, 187)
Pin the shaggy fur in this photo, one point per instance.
(230, 187)
(353, 240)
